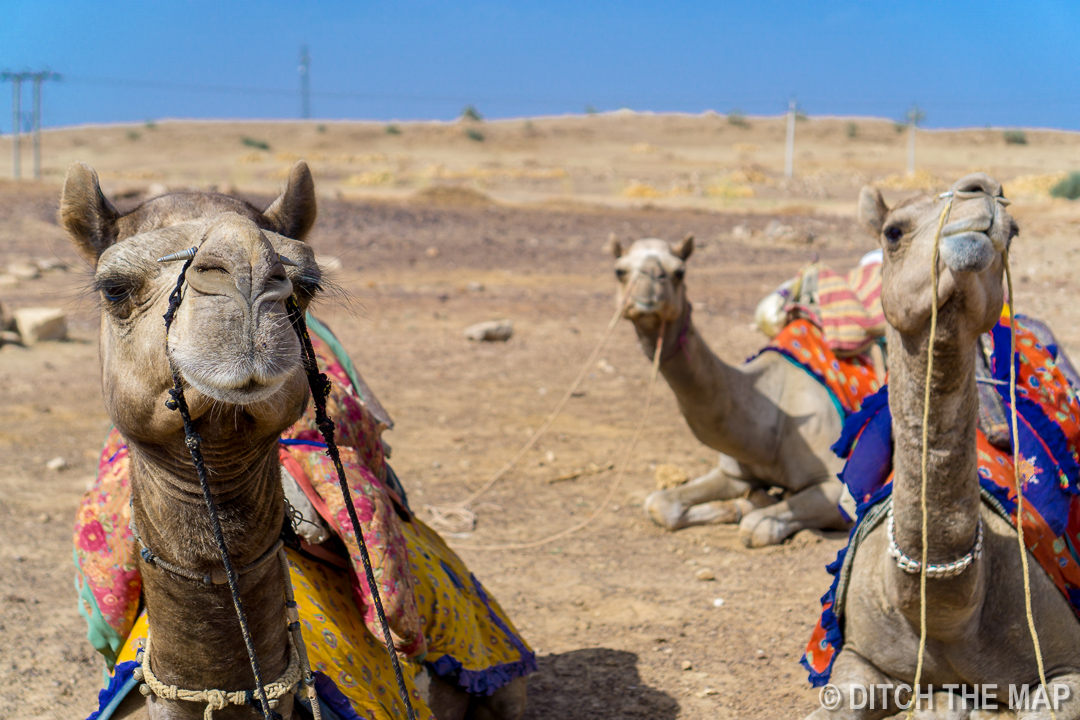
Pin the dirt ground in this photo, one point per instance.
(620, 624)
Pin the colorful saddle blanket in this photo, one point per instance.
(849, 380)
(1048, 416)
(438, 612)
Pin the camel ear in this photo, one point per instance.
(614, 246)
(90, 219)
(872, 209)
(293, 214)
(685, 247)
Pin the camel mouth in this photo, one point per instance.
(234, 391)
(967, 252)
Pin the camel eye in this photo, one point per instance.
(620, 273)
(115, 291)
(679, 275)
(893, 233)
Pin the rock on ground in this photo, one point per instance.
(493, 331)
(38, 324)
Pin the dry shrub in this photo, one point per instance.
(452, 195)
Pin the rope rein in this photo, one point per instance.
(194, 444)
(618, 478)
(457, 517)
(320, 390)
(298, 664)
(925, 448)
(1019, 483)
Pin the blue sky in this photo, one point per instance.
(965, 63)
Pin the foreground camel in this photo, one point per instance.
(232, 344)
(772, 422)
(976, 627)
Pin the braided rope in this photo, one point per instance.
(320, 390)
(219, 699)
(293, 615)
(194, 444)
(925, 450)
(1020, 485)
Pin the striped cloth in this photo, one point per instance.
(847, 308)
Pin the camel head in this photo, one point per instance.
(653, 272)
(230, 341)
(977, 231)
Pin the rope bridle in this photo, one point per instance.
(266, 695)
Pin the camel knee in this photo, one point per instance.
(506, 703)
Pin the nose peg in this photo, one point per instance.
(182, 255)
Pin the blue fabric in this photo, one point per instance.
(299, 441)
(120, 684)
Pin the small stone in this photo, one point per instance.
(492, 331)
(605, 366)
(705, 575)
(57, 464)
(43, 518)
(47, 264)
(24, 270)
(432, 252)
(741, 233)
(718, 602)
(669, 476)
(475, 287)
(549, 456)
(687, 665)
(8, 281)
(761, 655)
(706, 692)
(327, 263)
(38, 324)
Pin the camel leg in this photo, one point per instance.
(715, 497)
(1066, 688)
(812, 507)
(506, 703)
(843, 698)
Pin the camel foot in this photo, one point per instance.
(760, 530)
(665, 512)
(673, 515)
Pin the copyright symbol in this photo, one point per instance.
(830, 697)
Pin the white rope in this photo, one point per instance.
(217, 699)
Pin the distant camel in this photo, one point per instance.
(772, 422)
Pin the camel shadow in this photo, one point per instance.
(594, 683)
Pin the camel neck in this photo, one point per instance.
(712, 395)
(952, 484)
(196, 638)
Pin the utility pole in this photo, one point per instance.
(38, 78)
(914, 116)
(16, 80)
(789, 146)
(305, 83)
